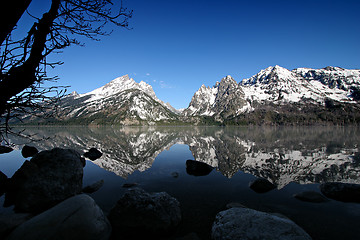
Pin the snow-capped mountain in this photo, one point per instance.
(278, 84)
(121, 101)
(277, 92)
(223, 100)
(275, 95)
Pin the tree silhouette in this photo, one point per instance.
(23, 61)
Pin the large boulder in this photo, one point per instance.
(47, 179)
(261, 185)
(197, 168)
(93, 154)
(345, 192)
(28, 151)
(93, 187)
(5, 149)
(139, 213)
(248, 224)
(75, 218)
(3, 182)
(311, 196)
(9, 221)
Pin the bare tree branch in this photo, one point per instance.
(23, 62)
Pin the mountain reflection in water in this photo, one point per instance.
(281, 155)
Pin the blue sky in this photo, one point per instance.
(178, 45)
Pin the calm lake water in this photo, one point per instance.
(296, 159)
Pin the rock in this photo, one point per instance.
(261, 185)
(8, 222)
(4, 149)
(93, 187)
(75, 218)
(234, 205)
(47, 179)
(28, 151)
(129, 185)
(3, 183)
(141, 213)
(345, 192)
(248, 224)
(16, 182)
(311, 196)
(175, 174)
(190, 236)
(93, 154)
(197, 168)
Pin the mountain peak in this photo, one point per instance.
(330, 68)
(269, 74)
(228, 78)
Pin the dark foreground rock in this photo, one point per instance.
(93, 187)
(76, 218)
(344, 192)
(3, 183)
(311, 196)
(28, 151)
(4, 149)
(9, 221)
(47, 179)
(93, 154)
(248, 224)
(139, 213)
(197, 168)
(261, 185)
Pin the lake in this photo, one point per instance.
(295, 159)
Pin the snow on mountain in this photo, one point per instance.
(202, 101)
(118, 85)
(121, 101)
(275, 94)
(225, 98)
(276, 85)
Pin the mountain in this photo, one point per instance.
(278, 84)
(274, 96)
(121, 101)
(222, 101)
(278, 95)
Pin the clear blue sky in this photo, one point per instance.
(178, 45)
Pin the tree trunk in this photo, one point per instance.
(10, 13)
(19, 78)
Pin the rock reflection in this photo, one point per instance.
(280, 155)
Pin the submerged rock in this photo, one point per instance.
(248, 224)
(345, 192)
(311, 196)
(4, 149)
(234, 205)
(47, 179)
(93, 187)
(93, 154)
(129, 185)
(175, 174)
(261, 185)
(197, 168)
(140, 213)
(28, 151)
(75, 218)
